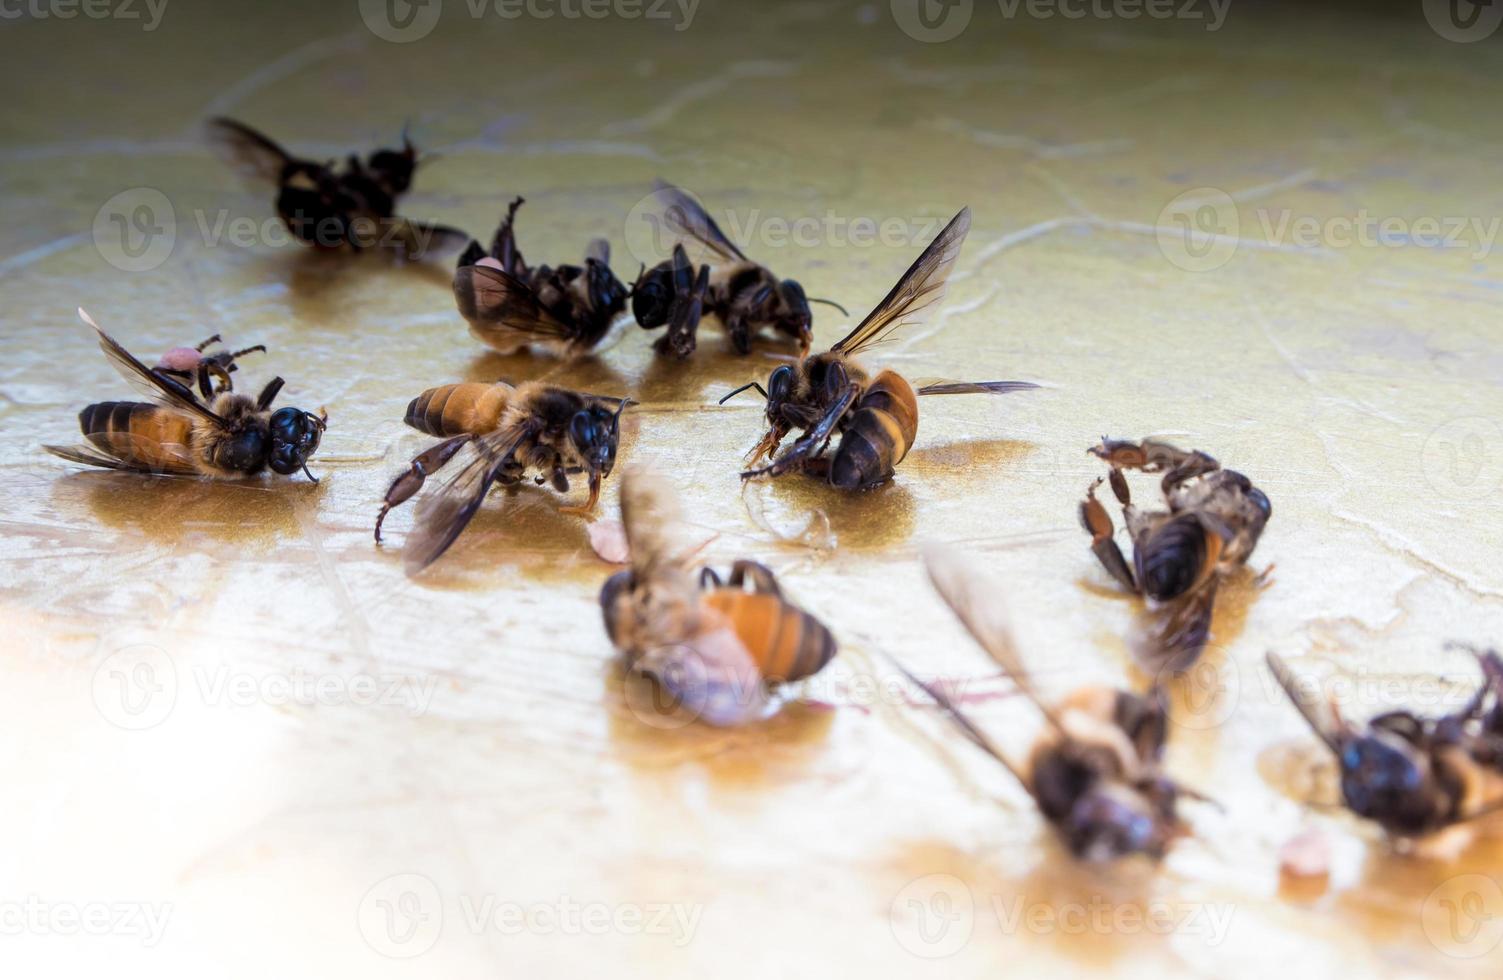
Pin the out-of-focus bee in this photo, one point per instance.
(875, 416)
(745, 296)
(1409, 774)
(513, 430)
(226, 436)
(334, 209)
(209, 369)
(720, 648)
(510, 305)
(1213, 523)
(1096, 771)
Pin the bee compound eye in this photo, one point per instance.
(780, 384)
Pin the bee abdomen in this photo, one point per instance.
(99, 420)
(786, 643)
(1173, 559)
(471, 408)
(879, 435)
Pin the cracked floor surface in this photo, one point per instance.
(1273, 242)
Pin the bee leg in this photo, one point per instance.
(761, 578)
(204, 386)
(560, 479)
(206, 344)
(812, 443)
(1190, 466)
(411, 481)
(269, 393)
(1095, 519)
(709, 579)
(588, 507)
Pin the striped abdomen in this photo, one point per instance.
(787, 643)
(472, 408)
(883, 426)
(142, 435)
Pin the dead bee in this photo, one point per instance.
(720, 648)
(510, 305)
(226, 436)
(1213, 523)
(1412, 775)
(1096, 772)
(745, 296)
(830, 394)
(513, 430)
(333, 209)
(210, 369)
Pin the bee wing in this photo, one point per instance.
(1316, 714)
(974, 387)
(499, 306)
(685, 215)
(160, 389)
(967, 727)
(649, 512)
(442, 515)
(421, 239)
(599, 250)
(712, 675)
(1179, 632)
(253, 155)
(173, 459)
(919, 290)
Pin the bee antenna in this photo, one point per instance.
(831, 302)
(760, 390)
(625, 404)
(309, 474)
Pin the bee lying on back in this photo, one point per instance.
(1213, 523)
(225, 435)
(720, 648)
(510, 305)
(743, 295)
(511, 431)
(332, 209)
(1096, 772)
(1410, 774)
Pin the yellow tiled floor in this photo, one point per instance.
(225, 700)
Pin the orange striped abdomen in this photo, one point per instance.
(145, 435)
(786, 643)
(882, 428)
(471, 408)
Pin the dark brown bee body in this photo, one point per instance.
(226, 435)
(328, 209)
(1414, 775)
(554, 432)
(830, 394)
(1214, 520)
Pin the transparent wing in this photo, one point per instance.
(1316, 714)
(712, 676)
(253, 155)
(172, 460)
(159, 389)
(649, 511)
(499, 306)
(974, 387)
(443, 514)
(919, 290)
(684, 215)
(967, 727)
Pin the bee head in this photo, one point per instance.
(795, 306)
(1110, 822)
(652, 297)
(1383, 778)
(595, 433)
(295, 435)
(1171, 560)
(396, 166)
